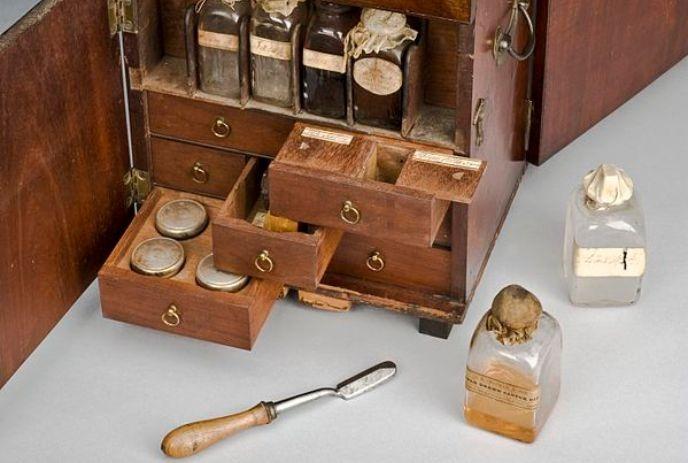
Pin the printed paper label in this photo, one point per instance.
(259, 219)
(609, 262)
(270, 48)
(324, 61)
(520, 397)
(378, 76)
(333, 137)
(228, 42)
(448, 160)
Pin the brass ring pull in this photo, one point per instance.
(350, 214)
(171, 316)
(264, 262)
(503, 42)
(221, 129)
(199, 174)
(375, 262)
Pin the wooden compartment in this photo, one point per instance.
(233, 319)
(369, 186)
(296, 258)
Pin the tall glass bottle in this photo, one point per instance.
(325, 61)
(218, 45)
(379, 44)
(605, 244)
(272, 24)
(513, 368)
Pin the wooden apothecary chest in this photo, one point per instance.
(71, 171)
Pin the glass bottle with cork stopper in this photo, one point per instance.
(325, 61)
(378, 45)
(514, 367)
(218, 40)
(272, 58)
(605, 243)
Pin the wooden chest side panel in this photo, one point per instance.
(63, 157)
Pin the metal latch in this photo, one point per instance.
(137, 186)
(122, 16)
(479, 121)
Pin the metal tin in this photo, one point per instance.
(158, 257)
(181, 219)
(211, 278)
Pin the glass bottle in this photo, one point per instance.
(379, 44)
(605, 244)
(324, 60)
(513, 368)
(272, 25)
(218, 45)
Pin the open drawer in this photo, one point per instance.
(178, 304)
(242, 245)
(369, 185)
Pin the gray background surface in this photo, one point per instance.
(97, 390)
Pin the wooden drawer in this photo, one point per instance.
(247, 130)
(295, 258)
(195, 169)
(452, 10)
(384, 261)
(368, 185)
(233, 319)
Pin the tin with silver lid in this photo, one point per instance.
(181, 219)
(158, 257)
(209, 277)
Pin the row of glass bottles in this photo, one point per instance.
(377, 40)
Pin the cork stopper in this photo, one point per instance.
(607, 186)
(283, 7)
(514, 315)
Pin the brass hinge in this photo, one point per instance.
(122, 15)
(137, 186)
(530, 108)
(479, 121)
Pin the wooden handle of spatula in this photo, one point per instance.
(191, 438)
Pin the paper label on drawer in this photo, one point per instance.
(609, 262)
(324, 61)
(378, 76)
(521, 397)
(448, 160)
(228, 42)
(332, 137)
(270, 48)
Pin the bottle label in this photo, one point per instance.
(324, 61)
(270, 48)
(325, 135)
(526, 398)
(228, 42)
(609, 262)
(448, 160)
(378, 76)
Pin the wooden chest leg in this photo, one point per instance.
(435, 328)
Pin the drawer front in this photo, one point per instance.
(245, 130)
(195, 169)
(451, 10)
(393, 263)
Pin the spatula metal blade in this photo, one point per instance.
(366, 380)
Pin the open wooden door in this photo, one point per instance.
(63, 156)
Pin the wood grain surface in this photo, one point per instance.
(453, 10)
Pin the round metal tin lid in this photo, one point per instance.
(210, 277)
(160, 257)
(181, 219)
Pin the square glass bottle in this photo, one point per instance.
(514, 367)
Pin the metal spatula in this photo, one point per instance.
(194, 437)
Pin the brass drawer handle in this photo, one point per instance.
(264, 262)
(221, 129)
(503, 42)
(199, 174)
(171, 317)
(350, 214)
(375, 262)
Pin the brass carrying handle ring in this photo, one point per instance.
(375, 262)
(171, 317)
(349, 213)
(199, 174)
(504, 39)
(264, 262)
(221, 129)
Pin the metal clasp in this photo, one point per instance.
(349, 213)
(221, 129)
(171, 317)
(503, 41)
(375, 262)
(264, 262)
(199, 174)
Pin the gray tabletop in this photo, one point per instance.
(98, 390)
